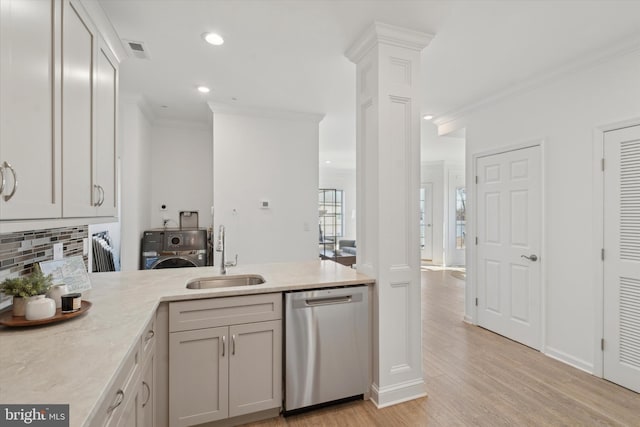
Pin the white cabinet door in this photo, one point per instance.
(104, 159)
(131, 411)
(147, 397)
(255, 366)
(198, 376)
(29, 93)
(77, 106)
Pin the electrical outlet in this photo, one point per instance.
(58, 251)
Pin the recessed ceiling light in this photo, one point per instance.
(203, 89)
(213, 38)
(427, 117)
(328, 162)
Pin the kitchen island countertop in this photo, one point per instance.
(74, 362)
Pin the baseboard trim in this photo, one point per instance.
(569, 360)
(397, 393)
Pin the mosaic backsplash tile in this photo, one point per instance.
(19, 251)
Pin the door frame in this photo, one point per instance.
(423, 185)
(598, 237)
(472, 253)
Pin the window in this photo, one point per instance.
(330, 212)
(461, 217)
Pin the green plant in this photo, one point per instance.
(27, 286)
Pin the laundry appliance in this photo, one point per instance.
(174, 248)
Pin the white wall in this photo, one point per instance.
(181, 172)
(258, 158)
(135, 143)
(565, 114)
(345, 180)
(434, 147)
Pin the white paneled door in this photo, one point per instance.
(509, 234)
(622, 257)
(426, 221)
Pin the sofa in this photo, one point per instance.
(347, 247)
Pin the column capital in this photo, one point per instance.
(381, 33)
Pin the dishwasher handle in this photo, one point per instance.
(312, 302)
(324, 300)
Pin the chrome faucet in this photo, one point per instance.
(221, 247)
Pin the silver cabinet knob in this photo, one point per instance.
(532, 257)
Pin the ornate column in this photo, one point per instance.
(387, 62)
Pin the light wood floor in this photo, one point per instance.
(477, 378)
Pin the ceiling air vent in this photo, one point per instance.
(137, 49)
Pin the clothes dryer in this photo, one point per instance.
(174, 248)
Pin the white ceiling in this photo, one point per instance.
(289, 54)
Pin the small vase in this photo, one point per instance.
(39, 307)
(56, 292)
(19, 305)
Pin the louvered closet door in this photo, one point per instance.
(622, 257)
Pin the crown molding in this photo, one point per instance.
(265, 112)
(381, 33)
(105, 28)
(446, 120)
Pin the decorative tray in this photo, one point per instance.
(8, 319)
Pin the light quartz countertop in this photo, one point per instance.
(74, 362)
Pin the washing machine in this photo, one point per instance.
(174, 248)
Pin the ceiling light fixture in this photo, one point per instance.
(203, 89)
(427, 117)
(328, 162)
(213, 38)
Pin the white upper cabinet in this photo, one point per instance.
(29, 120)
(78, 42)
(104, 161)
(58, 109)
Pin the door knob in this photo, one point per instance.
(533, 257)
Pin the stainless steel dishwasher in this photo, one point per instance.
(326, 346)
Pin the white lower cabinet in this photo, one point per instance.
(129, 402)
(229, 368)
(147, 391)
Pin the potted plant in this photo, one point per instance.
(25, 287)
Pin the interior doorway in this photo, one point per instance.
(426, 222)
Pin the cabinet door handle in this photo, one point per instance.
(224, 344)
(144, 383)
(15, 182)
(2, 180)
(96, 187)
(117, 402)
(101, 195)
(233, 344)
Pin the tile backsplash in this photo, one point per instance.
(19, 251)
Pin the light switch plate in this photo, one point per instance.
(85, 246)
(58, 251)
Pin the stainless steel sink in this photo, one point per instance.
(226, 281)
